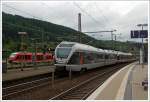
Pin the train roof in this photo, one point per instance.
(79, 46)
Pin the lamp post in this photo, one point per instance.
(35, 50)
(142, 26)
(22, 34)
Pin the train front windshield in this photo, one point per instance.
(63, 52)
(13, 55)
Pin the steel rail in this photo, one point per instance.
(79, 85)
(25, 83)
(26, 89)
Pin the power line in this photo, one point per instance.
(23, 11)
(86, 13)
(74, 26)
(106, 19)
(27, 14)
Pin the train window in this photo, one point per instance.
(112, 56)
(13, 55)
(27, 57)
(39, 57)
(86, 57)
(100, 56)
(66, 45)
(118, 57)
(106, 56)
(96, 57)
(75, 58)
(63, 52)
(48, 57)
(90, 56)
(17, 57)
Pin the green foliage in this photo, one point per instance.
(47, 33)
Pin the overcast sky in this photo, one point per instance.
(96, 15)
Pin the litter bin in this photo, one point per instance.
(4, 67)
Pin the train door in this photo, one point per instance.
(81, 58)
(75, 59)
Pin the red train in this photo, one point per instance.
(29, 57)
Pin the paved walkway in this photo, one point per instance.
(27, 72)
(138, 75)
(123, 85)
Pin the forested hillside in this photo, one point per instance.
(47, 35)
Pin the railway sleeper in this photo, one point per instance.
(76, 93)
(72, 97)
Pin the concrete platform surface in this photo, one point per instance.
(123, 85)
(27, 72)
(139, 74)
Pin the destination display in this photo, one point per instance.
(139, 34)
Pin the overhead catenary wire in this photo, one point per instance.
(89, 15)
(74, 26)
(22, 11)
(26, 13)
(96, 21)
(78, 6)
(101, 12)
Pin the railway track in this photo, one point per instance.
(84, 89)
(80, 85)
(11, 91)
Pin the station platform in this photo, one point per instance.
(14, 74)
(126, 84)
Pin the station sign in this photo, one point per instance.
(139, 34)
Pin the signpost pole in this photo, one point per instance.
(140, 34)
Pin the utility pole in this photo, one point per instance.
(79, 26)
(115, 35)
(112, 37)
(115, 41)
(22, 47)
